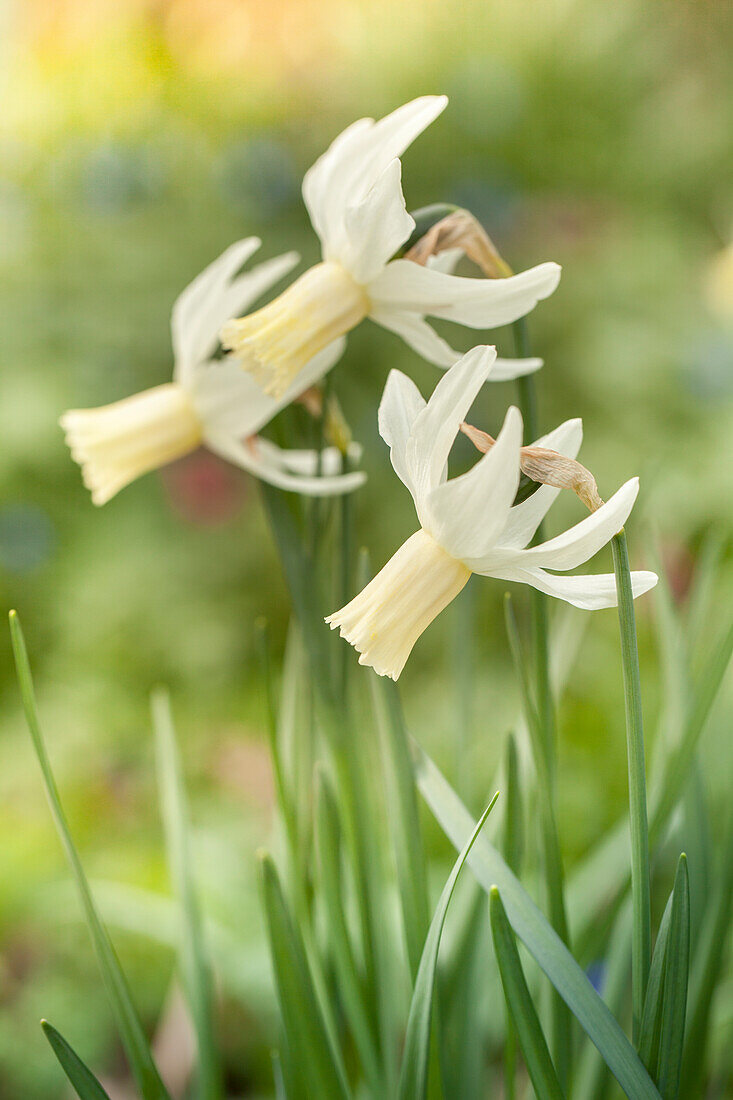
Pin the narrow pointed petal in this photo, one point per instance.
(192, 302)
(195, 339)
(348, 170)
(581, 542)
(422, 338)
(417, 334)
(214, 296)
(478, 303)
(328, 462)
(468, 512)
(506, 370)
(264, 460)
(590, 592)
(436, 427)
(400, 405)
(525, 518)
(376, 226)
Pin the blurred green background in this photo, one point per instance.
(138, 138)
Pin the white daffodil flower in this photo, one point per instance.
(211, 402)
(353, 194)
(470, 524)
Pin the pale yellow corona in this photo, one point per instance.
(211, 400)
(117, 443)
(385, 620)
(277, 341)
(353, 194)
(470, 524)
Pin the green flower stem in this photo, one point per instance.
(552, 855)
(641, 932)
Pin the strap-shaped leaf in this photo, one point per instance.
(538, 710)
(414, 1073)
(86, 1085)
(131, 1031)
(524, 1017)
(651, 1020)
(404, 821)
(513, 839)
(194, 962)
(708, 961)
(676, 971)
(328, 848)
(540, 939)
(604, 874)
(591, 1079)
(315, 1060)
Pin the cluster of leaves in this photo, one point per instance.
(364, 1003)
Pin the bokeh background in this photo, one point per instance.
(138, 138)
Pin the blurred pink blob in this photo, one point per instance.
(204, 489)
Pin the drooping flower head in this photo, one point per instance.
(353, 194)
(210, 401)
(470, 524)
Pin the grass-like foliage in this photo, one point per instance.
(389, 987)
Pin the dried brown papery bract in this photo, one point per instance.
(546, 467)
(461, 230)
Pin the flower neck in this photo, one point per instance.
(277, 341)
(385, 620)
(117, 443)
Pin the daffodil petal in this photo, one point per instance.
(467, 512)
(400, 405)
(271, 464)
(230, 401)
(525, 518)
(215, 296)
(417, 334)
(506, 370)
(446, 261)
(376, 226)
(344, 175)
(581, 542)
(422, 338)
(478, 303)
(590, 592)
(436, 426)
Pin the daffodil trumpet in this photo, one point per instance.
(353, 195)
(210, 401)
(470, 524)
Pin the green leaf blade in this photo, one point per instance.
(85, 1084)
(524, 1017)
(315, 1060)
(194, 962)
(676, 974)
(328, 850)
(540, 939)
(415, 1059)
(404, 820)
(131, 1031)
(651, 1020)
